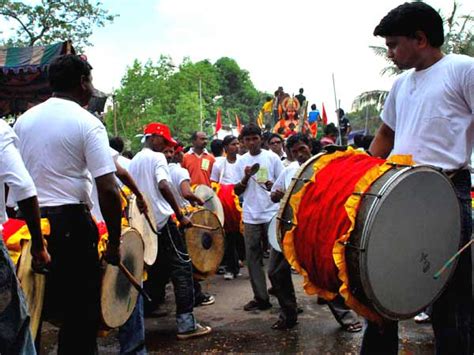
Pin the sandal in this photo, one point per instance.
(353, 327)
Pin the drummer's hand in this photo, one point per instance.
(112, 254)
(141, 204)
(248, 171)
(199, 201)
(41, 260)
(185, 222)
(277, 195)
(268, 185)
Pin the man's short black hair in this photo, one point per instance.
(194, 136)
(301, 90)
(217, 148)
(228, 139)
(410, 17)
(66, 71)
(298, 137)
(117, 143)
(250, 130)
(274, 135)
(313, 107)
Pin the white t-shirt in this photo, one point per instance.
(284, 180)
(95, 211)
(178, 174)
(432, 113)
(258, 207)
(225, 172)
(62, 145)
(12, 171)
(148, 168)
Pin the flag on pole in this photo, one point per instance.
(238, 124)
(324, 116)
(218, 121)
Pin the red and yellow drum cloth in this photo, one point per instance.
(231, 205)
(16, 230)
(325, 211)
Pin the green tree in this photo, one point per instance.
(52, 21)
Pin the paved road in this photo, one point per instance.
(249, 332)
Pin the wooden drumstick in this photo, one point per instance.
(200, 226)
(451, 260)
(133, 281)
(147, 217)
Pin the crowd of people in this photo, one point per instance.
(57, 161)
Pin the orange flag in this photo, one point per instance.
(324, 116)
(218, 121)
(237, 122)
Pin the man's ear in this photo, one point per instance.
(421, 39)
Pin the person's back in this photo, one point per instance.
(55, 139)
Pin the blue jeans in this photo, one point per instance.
(451, 315)
(173, 263)
(132, 333)
(15, 334)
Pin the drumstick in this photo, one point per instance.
(259, 184)
(133, 281)
(450, 261)
(200, 226)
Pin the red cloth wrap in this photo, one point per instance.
(10, 227)
(322, 218)
(232, 215)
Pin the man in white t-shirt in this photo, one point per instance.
(257, 170)
(15, 334)
(224, 172)
(429, 113)
(150, 171)
(64, 147)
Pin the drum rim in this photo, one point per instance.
(371, 214)
(220, 209)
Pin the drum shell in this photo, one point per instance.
(357, 252)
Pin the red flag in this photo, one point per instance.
(325, 116)
(218, 121)
(237, 122)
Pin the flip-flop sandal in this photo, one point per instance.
(352, 328)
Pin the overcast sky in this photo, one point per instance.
(293, 44)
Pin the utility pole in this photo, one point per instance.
(200, 103)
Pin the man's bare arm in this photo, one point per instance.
(165, 190)
(128, 181)
(382, 144)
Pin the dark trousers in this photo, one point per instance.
(451, 315)
(73, 283)
(343, 314)
(172, 263)
(279, 272)
(231, 257)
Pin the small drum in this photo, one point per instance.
(272, 234)
(211, 201)
(118, 296)
(33, 286)
(372, 230)
(138, 221)
(205, 246)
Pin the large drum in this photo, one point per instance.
(205, 245)
(211, 201)
(231, 206)
(372, 230)
(272, 234)
(138, 221)
(118, 296)
(33, 286)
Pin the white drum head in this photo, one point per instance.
(272, 234)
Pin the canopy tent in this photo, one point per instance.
(23, 75)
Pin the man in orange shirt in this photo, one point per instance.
(198, 161)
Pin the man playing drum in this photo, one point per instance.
(429, 114)
(150, 171)
(62, 145)
(15, 334)
(257, 170)
(279, 271)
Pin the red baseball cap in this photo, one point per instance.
(159, 129)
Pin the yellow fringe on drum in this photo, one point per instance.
(351, 207)
(13, 243)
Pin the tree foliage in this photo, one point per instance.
(52, 21)
(167, 93)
